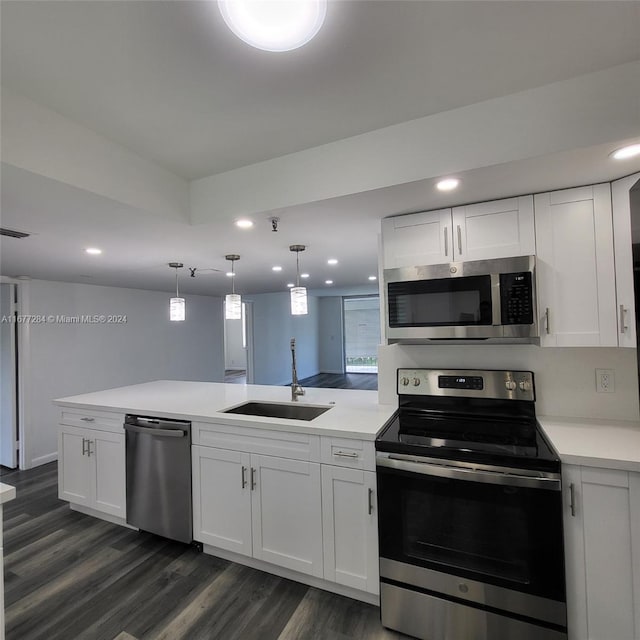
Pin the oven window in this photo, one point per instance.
(444, 302)
(509, 536)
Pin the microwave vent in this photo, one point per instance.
(11, 233)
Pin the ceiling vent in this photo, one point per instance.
(13, 234)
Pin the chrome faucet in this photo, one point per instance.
(296, 389)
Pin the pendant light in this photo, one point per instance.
(177, 304)
(233, 300)
(298, 293)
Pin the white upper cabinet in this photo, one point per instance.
(624, 220)
(498, 229)
(575, 265)
(416, 239)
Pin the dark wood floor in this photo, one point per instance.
(70, 576)
(367, 381)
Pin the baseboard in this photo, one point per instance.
(88, 511)
(50, 457)
(312, 581)
(334, 371)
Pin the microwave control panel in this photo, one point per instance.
(516, 298)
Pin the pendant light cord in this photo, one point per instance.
(297, 268)
(177, 294)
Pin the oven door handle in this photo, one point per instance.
(509, 479)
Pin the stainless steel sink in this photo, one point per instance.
(277, 410)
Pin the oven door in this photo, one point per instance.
(479, 535)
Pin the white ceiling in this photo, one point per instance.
(169, 82)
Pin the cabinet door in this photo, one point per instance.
(626, 218)
(222, 498)
(498, 229)
(74, 474)
(106, 452)
(601, 543)
(286, 513)
(575, 268)
(349, 527)
(417, 239)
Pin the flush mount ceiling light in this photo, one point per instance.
(177, 310)
(274, 25)
(373, 278)
(332, 261)
(276, 268)
(624, 153)
(244, 223)
(328, 281)
(298, 293)
(93, 251)
(448, 184)
(233, 300)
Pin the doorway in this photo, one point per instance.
(238, 347)
(8, 376)
(361, 321)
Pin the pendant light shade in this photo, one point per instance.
(177, 306)
(233, 300)
(177, 309)
(298, 293)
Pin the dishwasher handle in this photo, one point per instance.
(163, 433)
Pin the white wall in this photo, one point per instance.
(565, 379)
(273, 328)
(67, 359)
(330, 335)
(235, 355)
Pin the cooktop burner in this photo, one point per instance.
(475, 416)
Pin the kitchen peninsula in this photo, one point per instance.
(291, 497)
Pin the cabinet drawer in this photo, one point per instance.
(344, 452)
(102, 420)
(283, 444)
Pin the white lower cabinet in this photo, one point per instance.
(602, 549)
(261, 506)
(91, 469)
(349, 528)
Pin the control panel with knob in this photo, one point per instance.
(469, 383)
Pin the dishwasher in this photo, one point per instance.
(158, 471)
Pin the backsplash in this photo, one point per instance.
(565, 378)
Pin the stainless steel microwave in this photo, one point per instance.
(478, 300)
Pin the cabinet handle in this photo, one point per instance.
(84, 446)
(572, 494)
(88, 419)
(446, 241)
(253, 478)
(623, 313)
(547, 327)
(345, 454)
(370, 501)
(244, 476)
(89, 452)
(459, 240)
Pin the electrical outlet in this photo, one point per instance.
(605, 381)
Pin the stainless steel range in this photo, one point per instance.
(469, 510)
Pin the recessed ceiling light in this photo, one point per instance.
(373, 278)
(328, 281)
(274, 26)
(276, 268)
(244, 223)
(290, 284)
(304, 275)
(230, 274)
(629, 151)
(332, 261)
(94, 251)
(448, 184)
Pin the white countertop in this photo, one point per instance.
(356, 413)
(7, 492)
(612, 444)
